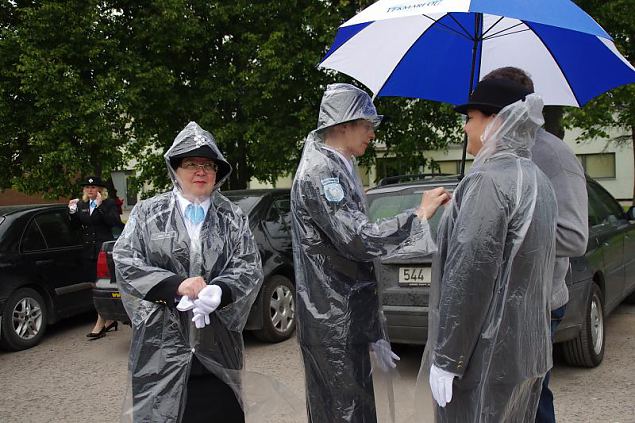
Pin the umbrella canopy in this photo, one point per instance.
(439, 49)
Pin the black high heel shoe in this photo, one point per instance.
(97, 335)
(114, 324)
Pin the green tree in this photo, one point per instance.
(614, 111)
(89, 85)
(60, 114)
(247, 72)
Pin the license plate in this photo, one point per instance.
(415, 276)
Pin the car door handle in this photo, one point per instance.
(45, 261)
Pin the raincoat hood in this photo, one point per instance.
(343, 103)
(513, 129)
(192, 141)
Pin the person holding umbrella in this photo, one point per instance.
(566, 174)
(188, 269)
(334, 244)
(489, 346)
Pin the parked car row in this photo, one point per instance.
(272, 317)
(598, 281)
(43, 280)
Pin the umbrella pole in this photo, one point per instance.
(478, 23)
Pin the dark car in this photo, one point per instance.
(272, 316)
(42, 276)
(598, 281)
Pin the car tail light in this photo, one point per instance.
(102, 266)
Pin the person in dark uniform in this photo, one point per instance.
(188, 270)
(97, 215)
(334, 245)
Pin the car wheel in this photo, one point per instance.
(24, 320)
(278, 309)
(587, 350)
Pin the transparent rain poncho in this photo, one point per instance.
(489, 302)
(155, 245)
(334, 245)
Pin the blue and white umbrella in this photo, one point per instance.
(439, 49)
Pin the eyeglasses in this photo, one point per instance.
(193, 167)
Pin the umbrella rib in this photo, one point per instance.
(436, 21)
(492, 27)
(498, 35)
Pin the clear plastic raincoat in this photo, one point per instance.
(491, 283)
(334, 245)
(154, 247)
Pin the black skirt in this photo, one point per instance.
(210, 400)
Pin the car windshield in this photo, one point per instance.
(245, 202)
(390, 204)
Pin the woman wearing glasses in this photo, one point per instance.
(188, 269)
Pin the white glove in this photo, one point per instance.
(207, 302)
(185, 304)
(385, 357)
(441, 385)
(72, 205)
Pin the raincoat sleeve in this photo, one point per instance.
(242, 274)
(474, 257)
(348, 227)
(135, 275)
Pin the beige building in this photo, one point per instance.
(611, 165)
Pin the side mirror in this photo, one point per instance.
(631, 213)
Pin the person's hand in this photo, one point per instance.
(185, 304)
(441, 385)
(385, 357)
(98, 199)
(430, 202)
(191, 287)
(72, 205)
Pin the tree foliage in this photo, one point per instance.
(612, 112)
(60, 110)
(87, 86)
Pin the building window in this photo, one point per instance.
(598, 166)
(131, 192)
(453, 167)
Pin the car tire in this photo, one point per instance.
(24, 320)
(587, 349)
(278, 310)
(630, 299)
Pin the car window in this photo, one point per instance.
(32, 239)
(246, 203)
(382, 206)
(278, 218)
(57, 230)
(602, 207)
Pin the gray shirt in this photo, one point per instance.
(556, 159)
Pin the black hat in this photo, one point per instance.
(93, 180)
(206, 151)
(491, 95)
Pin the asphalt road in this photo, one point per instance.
(69, 379)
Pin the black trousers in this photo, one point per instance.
(210, 400)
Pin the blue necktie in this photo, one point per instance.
(92, 204)
(194, 213)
